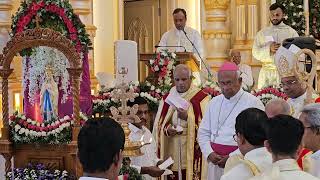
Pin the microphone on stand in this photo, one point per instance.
(209, 73)
(185, 50)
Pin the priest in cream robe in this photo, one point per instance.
(250, 136)
(245, 70)
(295, 84)
(284, 141)
(267, 42)
(178, 36)
(168, 116)
(215, 134)
(310, 117)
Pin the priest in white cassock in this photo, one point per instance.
(284, 141)
(178, 36)
(250, 135)
(215, 134)
(267, 42)
(147, 164)
(245, 70)
(295, 84)
(310, 117)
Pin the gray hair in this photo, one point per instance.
(278, 103)
(183, 67)
(312, 112)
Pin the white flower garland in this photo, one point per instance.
(36, 70)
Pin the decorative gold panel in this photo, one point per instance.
(216, 4)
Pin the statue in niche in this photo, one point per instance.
(49, 95)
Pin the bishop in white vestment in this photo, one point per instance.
(295, 84)
(215, 134)
(265, 40)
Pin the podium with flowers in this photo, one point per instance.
(153, 60)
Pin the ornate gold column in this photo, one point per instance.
(252, 20)
(5, 21)
(84, 9)
(216, 33)
(241, 22)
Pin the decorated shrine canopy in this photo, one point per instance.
(59, 16)
(54, 14)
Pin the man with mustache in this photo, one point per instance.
(148, 162)
(267, 42)
(175, 126)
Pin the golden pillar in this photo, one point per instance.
(252, 20)
(83, 8)
(5, 21)
(241, 22)
(216, 33)
(246, 28)
(5, 26)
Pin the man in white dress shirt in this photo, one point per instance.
(100, 146)
(148, 162)
(250, 135)
(245, 70)
(284, 141)
(267, 42)
(178, 36)
(310, 117)
(215, 134)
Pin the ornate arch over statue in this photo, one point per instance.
(67, 152)
(59, 16)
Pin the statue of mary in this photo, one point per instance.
(49, 96)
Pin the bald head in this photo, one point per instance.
(182, 78)
(235, 56)
(277, 106)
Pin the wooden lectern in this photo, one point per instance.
(187, 58)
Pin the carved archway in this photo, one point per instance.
(138, 32)
(33, 38)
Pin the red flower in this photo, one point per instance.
(42, 4)
(162, 74)
(61, 12)
(73, 37)
(166, 62)
(317, 100)
(73, 30)
(33, 128)
(25, 123)
(37, 128)
(46, 129)
(35, 7)
(12, 118)
(53, 8)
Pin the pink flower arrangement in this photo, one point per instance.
(269, 93)
(162, 66)
(27, 130)
(35, 8)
